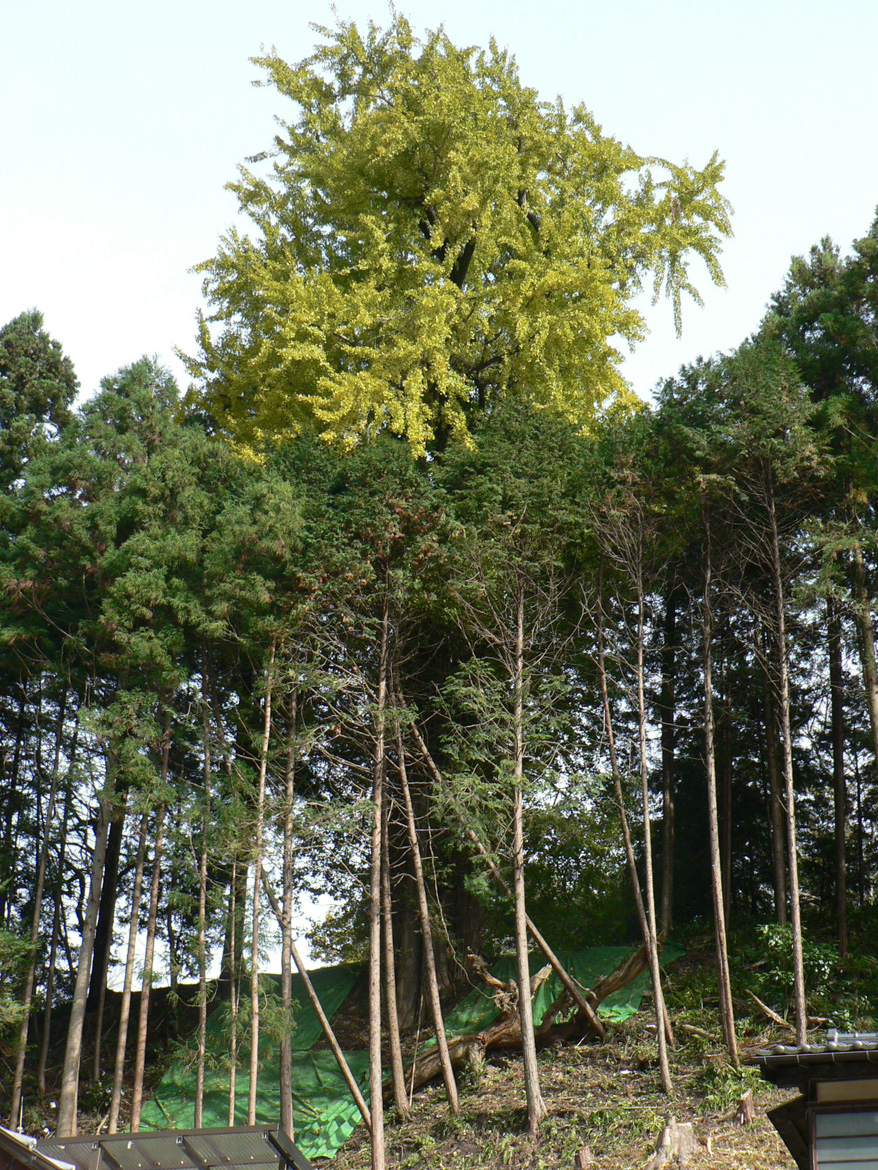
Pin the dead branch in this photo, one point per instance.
(505, 1033)
(691, 1030)
(769, 1013)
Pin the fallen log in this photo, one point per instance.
(505, 1033)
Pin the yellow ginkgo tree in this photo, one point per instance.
(427, 236)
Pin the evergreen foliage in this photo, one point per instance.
(438, 271)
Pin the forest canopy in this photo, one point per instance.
(481, 646)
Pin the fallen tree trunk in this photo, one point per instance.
(505, 1032)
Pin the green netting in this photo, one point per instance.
(325, 1113)
(478, 1010)
(332, 984)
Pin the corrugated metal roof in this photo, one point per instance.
(240, 1148)
(23, 1150)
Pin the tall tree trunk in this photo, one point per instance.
(234, 995)
(329, 1035)
(727, 1012)
(12, 802)
(426, 932)
(668, 716)
(775, 805)
(230, 963)
(125, 1008)
(723, 734)
(662, 1022)
(861, 869)
(397, 1071)
(56, 916)
(286, 954)
(839, 788)
(257, 890)
(787, 743)
(201, 1036)
(149, 950)
(536, 1106)
(649, 880)
(104, 936)
(375, 1071)
(27, 996)
(863, 616)
(66, 1125)
(570, 984)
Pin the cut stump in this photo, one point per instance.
(676, 1146)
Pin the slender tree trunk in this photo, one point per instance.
(257, 890)
(149, 952)
(861, 868)
(661, 1015)
(12, 802)
(329, 1035)
(104, 935)
(201, 1037)
(662, 1022)
(286, 954)
(536, 1106)
(233, 966)
(775, 801)
(27, 996)
(723, 735)
(234, 995)
(668, 716)
(66, 1125)
(787, 742)
(570, 984)
(56, 917)
(727, 1012)
(863, 615)
(839, 787)
(375, 1071)
(50, 995)
(125, 1008)
(397, 1071)
(426, 932)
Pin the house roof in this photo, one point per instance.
(17, 1149)
(793, 1065)
(843, 1056)
(260, 1147)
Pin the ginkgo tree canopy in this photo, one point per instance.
(426, 237)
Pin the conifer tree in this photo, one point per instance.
(37, 388)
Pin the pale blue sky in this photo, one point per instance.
(121, 122)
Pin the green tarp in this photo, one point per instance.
(325, 1113)
(478, 1010)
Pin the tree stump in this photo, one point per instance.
(676, 1145)
(745, 1111)
(583, 1159)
